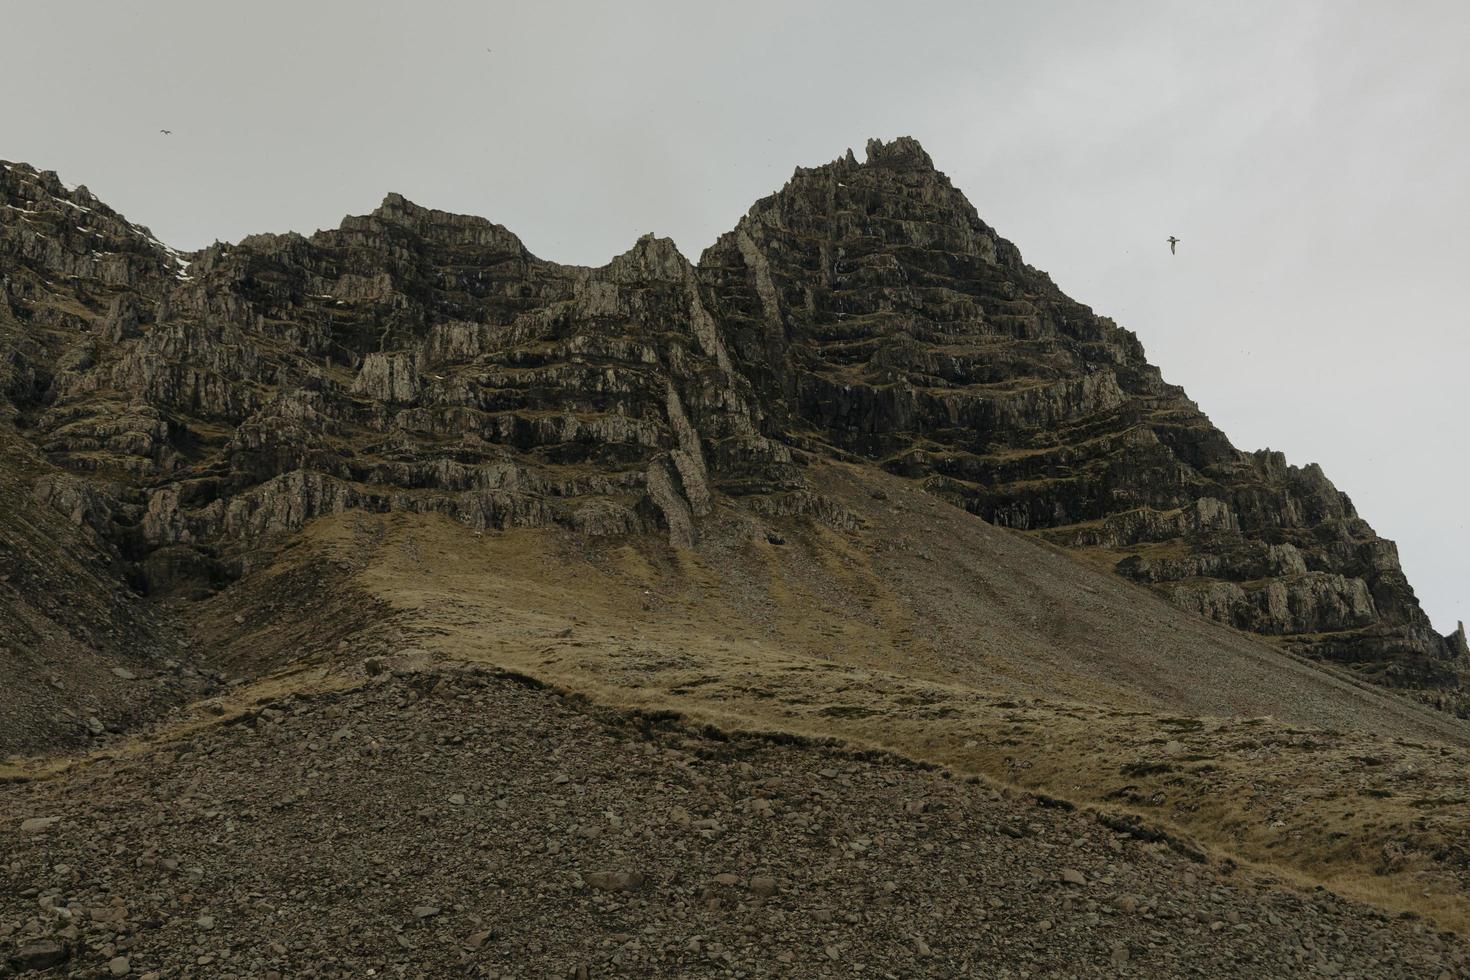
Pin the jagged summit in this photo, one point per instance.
(443, 225)
(189, 409)
(903, 151)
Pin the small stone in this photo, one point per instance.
(239, 619)
(615, 881)
(479, 939)
(425, 911)
(456, 799)
(1045, 925)
(119, 966)
(560, 779)
(1119, 955)
(1073, 877)
(206, 922)
(95, 726)
(38, 825)
(124, 674)
(1126, 903)
(921, 947)
(41, 955)
(763, 886)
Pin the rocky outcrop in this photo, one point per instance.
(408, 360)
(193, 406)
(878, 315)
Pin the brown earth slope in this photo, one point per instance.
(355, 477)
(452, 822)
(1219, 780)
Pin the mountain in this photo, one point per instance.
(674, 618)
(185, 409)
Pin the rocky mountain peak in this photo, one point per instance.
(651, 258)
(422, 361)
(898, 153)
(440, 226)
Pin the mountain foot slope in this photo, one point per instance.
(454, 821)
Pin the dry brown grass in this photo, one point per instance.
(757, 641)
(925, 633)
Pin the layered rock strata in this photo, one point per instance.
(189, 407)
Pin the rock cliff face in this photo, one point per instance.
(189, 408)
(876, 313)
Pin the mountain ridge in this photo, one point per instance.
(193, 405)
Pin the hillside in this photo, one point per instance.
(413, 360)
(320, 534)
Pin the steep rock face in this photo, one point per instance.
(877, 314)
(191, 406)
(409, 360)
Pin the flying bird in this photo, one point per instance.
(166, 132)
(1172, 242)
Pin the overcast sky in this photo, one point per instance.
(1312, 157)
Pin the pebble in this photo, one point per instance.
(38, 825)
(763, 886)
(41, 955)
(119, 966)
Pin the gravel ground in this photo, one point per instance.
(455, 822)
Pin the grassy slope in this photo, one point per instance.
(928, 633)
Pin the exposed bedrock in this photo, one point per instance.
(191, 406)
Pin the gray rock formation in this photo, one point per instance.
(876, 314)
(190, 406)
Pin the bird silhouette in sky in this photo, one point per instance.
(1172, 242)
(166, 132)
